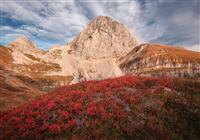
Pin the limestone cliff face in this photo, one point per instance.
(153, 59)
(103, 38)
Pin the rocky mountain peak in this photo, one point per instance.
(103, 38)
(22, 43)
(104, 23)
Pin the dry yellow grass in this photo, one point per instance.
(172, 52)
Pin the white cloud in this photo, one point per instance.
(193, 48)
(52, 20)
(151, 21)
(18, 12)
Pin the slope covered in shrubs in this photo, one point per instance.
(122, 108)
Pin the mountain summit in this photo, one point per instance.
(22, 43)
(103, 38)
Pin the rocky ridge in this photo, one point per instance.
(155, 59)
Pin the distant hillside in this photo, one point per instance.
(155, 59)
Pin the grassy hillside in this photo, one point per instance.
(122, 108)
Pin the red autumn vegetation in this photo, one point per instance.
(122, 108)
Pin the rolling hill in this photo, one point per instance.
(127, 107)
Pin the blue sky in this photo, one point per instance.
(173, 22)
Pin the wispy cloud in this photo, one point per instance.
(174, 22)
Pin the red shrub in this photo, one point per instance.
(122, 108)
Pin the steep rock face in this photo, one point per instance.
(82, 69)
(154, 59)
(54, 53)
(103, 38)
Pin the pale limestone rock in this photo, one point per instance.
(22, 44)
(103, 38)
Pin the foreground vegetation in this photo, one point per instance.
(122, 108)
